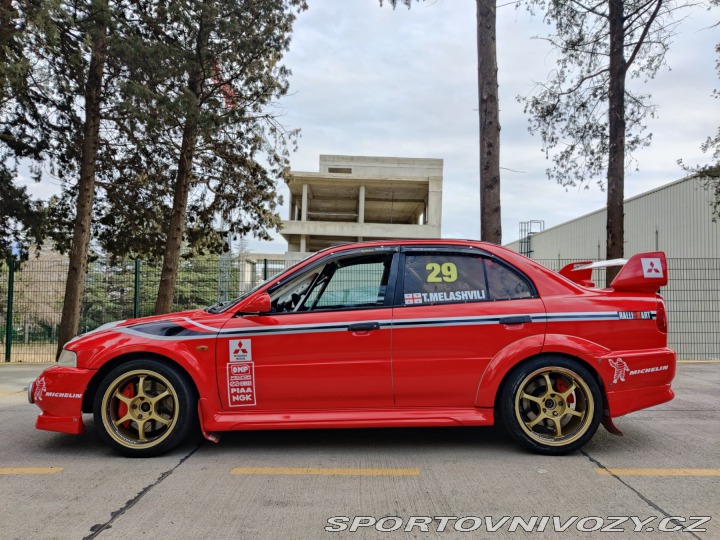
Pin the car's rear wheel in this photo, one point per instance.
(551, 405)
(144, 408)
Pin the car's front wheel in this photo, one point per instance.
(551, 405)
(144, 408)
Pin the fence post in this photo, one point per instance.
(136, 299)
(265, 275)
(8, 322)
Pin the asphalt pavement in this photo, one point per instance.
(432, 483)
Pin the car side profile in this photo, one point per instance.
(380, 334)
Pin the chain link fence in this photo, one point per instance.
(692, 299)
(32, 294)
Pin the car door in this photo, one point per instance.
(455, 310)
(324, 345)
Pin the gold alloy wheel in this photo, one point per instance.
(554, 406)
(140, 409)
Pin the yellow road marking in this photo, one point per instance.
(30, 470)
(658, 472)
(325, 472)
(698, 361)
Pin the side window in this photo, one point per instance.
(349, 282)
(358, 284)
(504, 283)
(441, 278)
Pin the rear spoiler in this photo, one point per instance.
(644, 272)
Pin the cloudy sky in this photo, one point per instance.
(377, 82)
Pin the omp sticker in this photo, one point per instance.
(241, 384)
(240, 350)
(652, 268)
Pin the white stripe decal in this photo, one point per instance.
(398, 324)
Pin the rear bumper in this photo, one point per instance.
(636, 380)
(58, 392)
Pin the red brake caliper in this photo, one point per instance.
(562, 386)
(128, 391)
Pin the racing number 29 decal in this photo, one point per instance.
(448, 271)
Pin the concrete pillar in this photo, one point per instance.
(434, 206)
(361, 205)
(304, 202)
(303, 241)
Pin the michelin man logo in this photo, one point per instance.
(39, 389)
(621, 369)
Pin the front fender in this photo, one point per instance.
(195, 356)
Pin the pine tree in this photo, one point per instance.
(204, 144)
(588, 117)
(489, 107)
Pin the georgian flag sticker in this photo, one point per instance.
(652, 267)
(240, 350)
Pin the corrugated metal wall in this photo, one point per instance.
(675, 218)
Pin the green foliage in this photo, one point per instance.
(211, 70)
(571, 109)
(22, 220)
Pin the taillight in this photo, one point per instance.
(661, 317)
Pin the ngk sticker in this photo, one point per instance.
(240, 350)
(652, 268)
(241, 384)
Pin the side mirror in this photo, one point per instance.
(258, 303)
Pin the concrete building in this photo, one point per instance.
(355, 198)
(675, 218)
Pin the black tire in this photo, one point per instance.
(144, 408)
(551, 405)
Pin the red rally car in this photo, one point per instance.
(380, 334)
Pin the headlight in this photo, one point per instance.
(67, 359)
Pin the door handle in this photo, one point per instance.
(364, 327)
(522, 319)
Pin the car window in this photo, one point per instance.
(440, 278)
(504, 283)
(359, 281)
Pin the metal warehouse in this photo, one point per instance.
(675, 218)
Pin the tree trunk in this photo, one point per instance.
(616, 158)
(176, 228)
(490, 224)
(75, 284)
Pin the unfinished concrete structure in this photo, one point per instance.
(355, 198)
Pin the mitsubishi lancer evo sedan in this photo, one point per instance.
(380, 334)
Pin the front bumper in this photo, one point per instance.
(58, 392)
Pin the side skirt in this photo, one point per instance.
(351, 418)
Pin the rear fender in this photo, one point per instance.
(501, 364)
